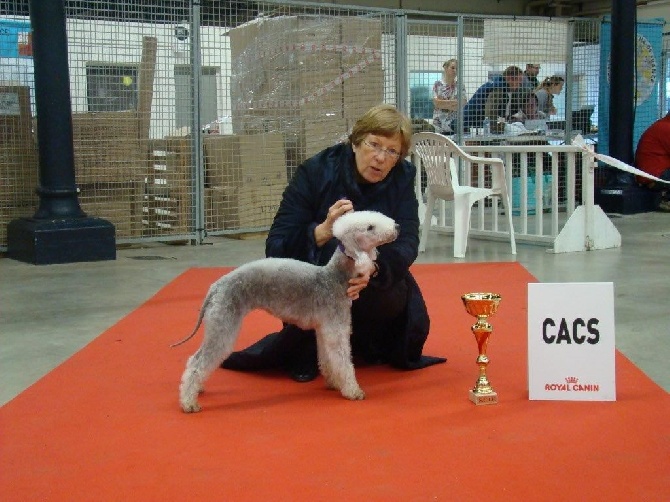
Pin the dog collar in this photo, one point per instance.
(341, 247)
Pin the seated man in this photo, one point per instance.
(653, 156)
(528, 108)
(493, 99)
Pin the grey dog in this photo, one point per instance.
(309, 296)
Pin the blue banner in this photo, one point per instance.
(15, 39)
(647, 76)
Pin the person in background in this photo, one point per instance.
(390, 321)
(493, 99)
(652, 156)
(529, 83)
(530, 80)
(528, 109)
(545, 92)
(445, 99)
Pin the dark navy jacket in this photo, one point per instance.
(321, 181)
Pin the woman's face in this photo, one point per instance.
(531, 108)
(376, 155)
(451, 69)
(556, 88)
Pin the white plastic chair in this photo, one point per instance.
(438, 154)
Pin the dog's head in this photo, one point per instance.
(361, 232)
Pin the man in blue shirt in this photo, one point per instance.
(493, 99)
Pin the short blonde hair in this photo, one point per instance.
(383, 120)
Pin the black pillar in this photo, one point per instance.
(622, 80)
(59, 232)
(621, 194)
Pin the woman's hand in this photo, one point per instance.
(446, 104)
(323, 232)
(356, 285)
(451, 104)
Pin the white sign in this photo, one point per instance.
(9, 103)
(571, 341)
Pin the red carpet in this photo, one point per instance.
(106, 424)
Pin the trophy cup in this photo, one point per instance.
(482, 305)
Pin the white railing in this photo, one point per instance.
(547, 185)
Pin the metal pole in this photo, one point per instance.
(198, 161)
(622, 88)
(402, 81)
(57, 189)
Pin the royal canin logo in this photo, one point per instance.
(572, 385)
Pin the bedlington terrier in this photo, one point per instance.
(309, 296)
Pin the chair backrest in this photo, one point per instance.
(436, 154)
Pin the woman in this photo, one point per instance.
(545, 92)
(389, 318)
(445, 99)
(528, 110)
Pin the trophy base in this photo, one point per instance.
(483, 399)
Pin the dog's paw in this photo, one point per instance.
(190, 408)
(354, 394)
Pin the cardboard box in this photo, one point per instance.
(320, 134)
(361, 32)
(15, 116)
(19, 173)
(167, 206)
(119, 203)
(242, 207)
(363, 90)
(300, 63)
(236, 160)
(261, 35)
(317, 30)
(107, 147)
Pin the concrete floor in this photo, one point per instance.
(49, 312)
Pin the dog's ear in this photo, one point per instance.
(358, 246)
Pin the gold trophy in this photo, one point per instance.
(482, 305)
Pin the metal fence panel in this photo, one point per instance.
(274, 82)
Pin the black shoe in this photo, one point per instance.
(305, 372)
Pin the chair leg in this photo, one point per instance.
(508, 212)
(427, 219)
(462, 208)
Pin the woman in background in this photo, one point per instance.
(545, 92)
(528, 109)
(445, 99)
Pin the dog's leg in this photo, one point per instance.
(220, 336)
(335, 361)
(325, 364)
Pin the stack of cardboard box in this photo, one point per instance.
(167, 205)
(19, 169)
(245, 176)
(308, 77)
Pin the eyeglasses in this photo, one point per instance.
(379, 150)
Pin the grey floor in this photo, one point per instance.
(49, 312)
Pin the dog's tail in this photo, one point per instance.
(201, 315)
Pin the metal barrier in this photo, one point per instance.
(551, 193)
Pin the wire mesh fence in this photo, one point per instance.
(189, 118)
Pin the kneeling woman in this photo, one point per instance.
(390, 322)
